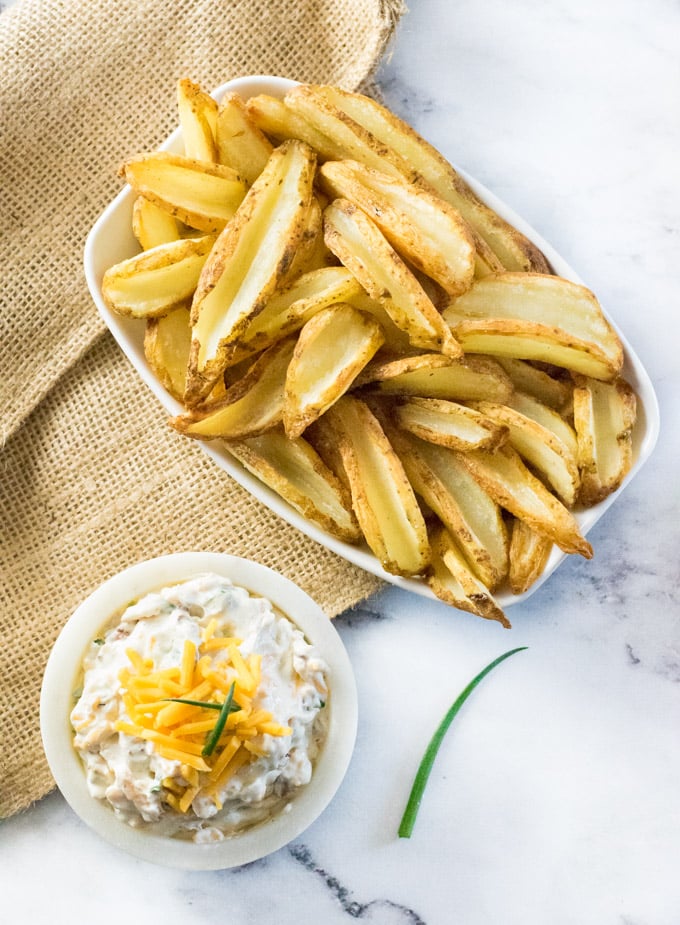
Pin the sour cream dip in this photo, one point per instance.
(158, 682)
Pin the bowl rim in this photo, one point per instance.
(645, 435)
(56, 702)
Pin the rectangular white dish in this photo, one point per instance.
(111, 241)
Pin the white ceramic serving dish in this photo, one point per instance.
(111, 240)
(60, 679)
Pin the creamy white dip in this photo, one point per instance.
(128, 772)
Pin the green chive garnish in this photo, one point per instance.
(234, 707)
(413, 805)
(214, 737)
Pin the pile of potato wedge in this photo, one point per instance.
(327, 297)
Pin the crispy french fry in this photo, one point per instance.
(331, 350)
(382, 496)
(251, 406)
(152, 225)
(240, 143)
(198, 119)
(431, 375)
(360, 245)
(420, 226)
(549, 456)
(529, 552)
(513, 249)
(465, 508)
(507, 480)
(604, 416)
(248, 261)
(294, 470)
(448, 423)
(202, 195)
(158, 280)
(537, 317)
(453, 582)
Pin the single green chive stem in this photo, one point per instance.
(234, 708)
(214, 737)
(411, 811)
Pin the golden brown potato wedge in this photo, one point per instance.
(432, 170)
(382, 497)
(507, 480)
(539, 446)
(453, 582)
(152, 225)
(202, 195)
(294, 470)
(248, 261)
(529, 552)
(466, 509)
(251, 406)
(278, 121)
(431, 375)
(396, 339)
(449, 423)
(537, 317)
(604, 417)
(420, 226)
(312, 251)
(360, 245)
(166, 347)
(356, 142)
(555, 393)
(240, 143)
(289, 308)
(198, 120)
(333, 347)
(535, 409)
(156, 281)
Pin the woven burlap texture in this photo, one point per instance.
(93, 479)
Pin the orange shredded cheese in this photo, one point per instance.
(178, 731)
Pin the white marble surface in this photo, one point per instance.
(555, 798)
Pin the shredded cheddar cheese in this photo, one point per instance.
(178, 730)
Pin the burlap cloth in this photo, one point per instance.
(92, 478)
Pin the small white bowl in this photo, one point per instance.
(111, 241)
(56, 703)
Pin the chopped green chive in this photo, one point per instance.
(214, 737)
(209, 705)
(411, 811)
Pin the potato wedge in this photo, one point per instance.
(357, 143)
(198, 120)
(539, 446)
(156, 281)
(333, 347)
(555, 393)
(421, 227)
(248, 261)
(396, 340)
(449, 423)
(278, 121)
(167, 341)
(537, 317)
(240, 143)
(449, 490)
(288, 309)
(513, 249)
(431, 375)
(202, 195)
(251, 406)
(360, 245)
(294, 470)
(507, 480)
(604, 417)
(152, 225)
(529, 553)
(382, 497)
(453, 582)
(312, 249)
(535, 409)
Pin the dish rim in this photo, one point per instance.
(644, 438)
(56, 703)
